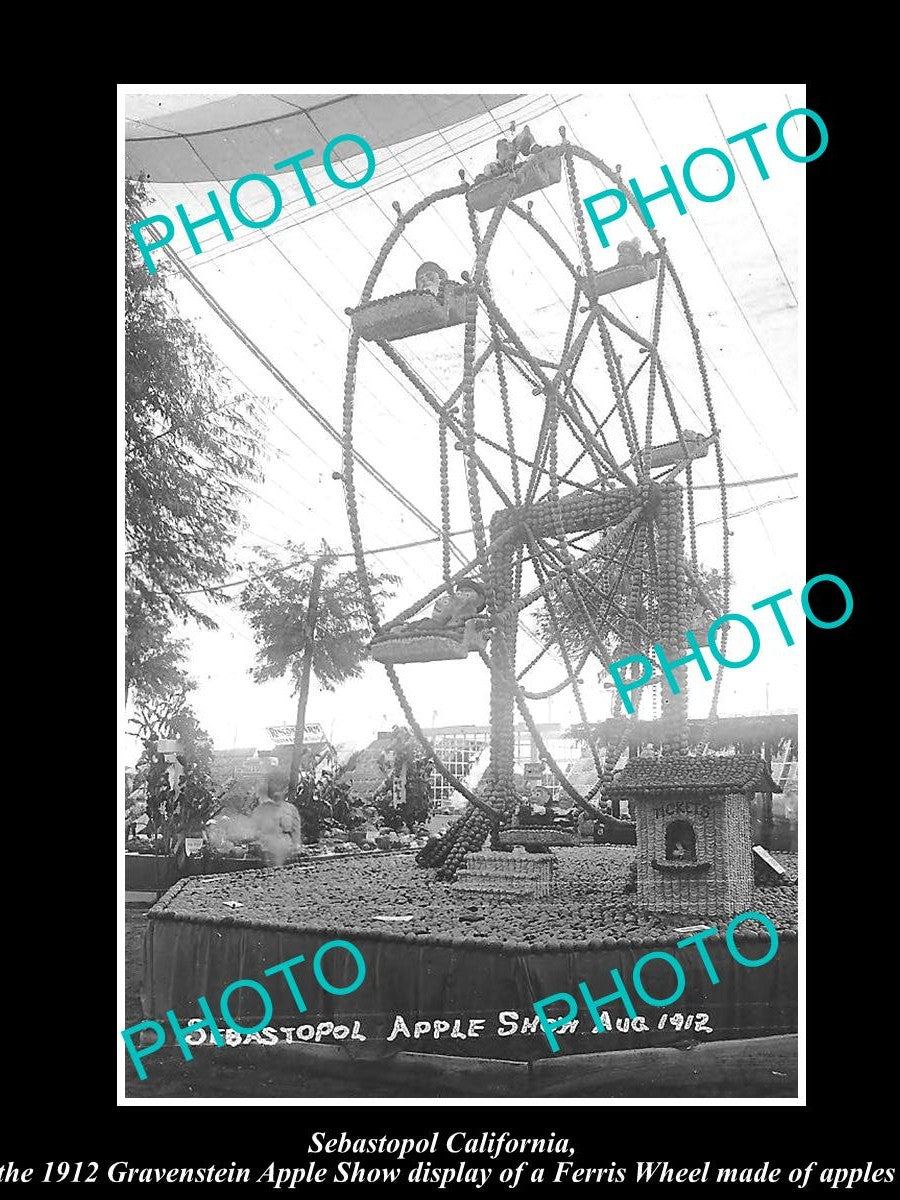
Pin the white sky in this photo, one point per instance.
(288, 287)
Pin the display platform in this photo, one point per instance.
(458, 975)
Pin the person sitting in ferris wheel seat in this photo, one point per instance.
(455, 615)
(508, 152)
(430, 277)
(630, 253)
(631, 267)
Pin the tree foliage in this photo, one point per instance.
(157, 708)
(153, 658)
(275, 602)
(190, 443)
(344, 809)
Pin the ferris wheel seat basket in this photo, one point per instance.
(613, 279)
(672, 452)
(406, 314)
(430, 647)
(535, 173)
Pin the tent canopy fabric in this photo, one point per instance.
(187, 139)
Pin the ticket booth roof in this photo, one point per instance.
(710, 775)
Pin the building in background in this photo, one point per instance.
(242, 770)
(362, 770)
(465, 751)
(245, 769)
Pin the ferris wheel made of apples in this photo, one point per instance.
(577, 460)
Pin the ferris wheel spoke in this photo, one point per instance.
(522, 705)
(517, 350)
(507, 413)
(529, 462)
(613, 363)
(565, 476)
(444, 415)
(612, 412)
(448, 404)
(607, 598)
(545, 649)
(538, 463)
(573, 317)
(473, 563)
(565, 555)
(444, 468)
(617, 381)
(571, 675)
(574, 586)
(540, 458)
(512, 352)
(568, 681)
(654, 361)
(586, 441)
(458, 390)
(513, 345)
(692, 523)
(592, 304)
(555, 579)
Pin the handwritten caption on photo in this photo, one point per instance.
(183, 1033)
(504, 1024)
(696, 938)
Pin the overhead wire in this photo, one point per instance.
(369, 349)
(670, 289)
(247, 237)
(278, 452)
(492, 116)
(405, 237)
(708, 356)
(430, 542)
(293, 391)
(414, 571)
(294, 267)
(753, 203)
(728, 286)
(737, 483)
